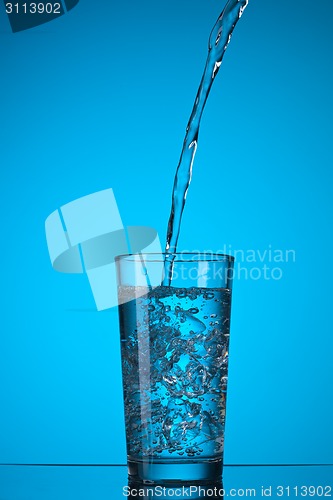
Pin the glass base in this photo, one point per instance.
(171, 471)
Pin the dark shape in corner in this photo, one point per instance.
(70, 4)
(25, 15)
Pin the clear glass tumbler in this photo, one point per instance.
(174, 348)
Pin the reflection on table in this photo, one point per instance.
(111, 483)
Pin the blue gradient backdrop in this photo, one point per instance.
(100, 98)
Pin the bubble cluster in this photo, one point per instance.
(175, 369)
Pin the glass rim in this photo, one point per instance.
(178, 256)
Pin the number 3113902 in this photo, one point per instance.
(33, 8)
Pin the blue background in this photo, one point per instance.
(100, 98)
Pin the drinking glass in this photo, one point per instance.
(174, 349)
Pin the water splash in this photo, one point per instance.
(174, 345)
(218, 42)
